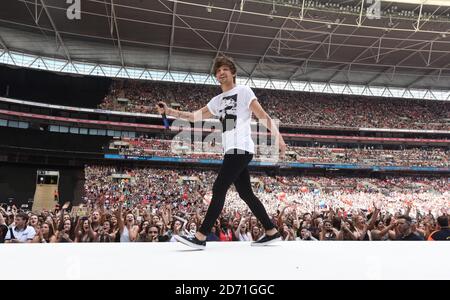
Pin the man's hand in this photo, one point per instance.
(343, 226)
(161, 107)
(377, 204)
(409, 205)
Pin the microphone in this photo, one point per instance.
(164, 117)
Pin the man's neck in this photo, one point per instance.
(227, 87)
(20, 227)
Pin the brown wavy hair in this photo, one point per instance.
(225, 61)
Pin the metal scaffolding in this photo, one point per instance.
(18, 59)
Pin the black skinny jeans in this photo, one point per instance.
(234, 170)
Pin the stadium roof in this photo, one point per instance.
(407, 45)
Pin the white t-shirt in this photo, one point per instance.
(24, 235)
(233, 110)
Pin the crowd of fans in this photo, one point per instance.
(296, 108)
(434, 157)
(153, 205)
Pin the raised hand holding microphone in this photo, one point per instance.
(162, 108)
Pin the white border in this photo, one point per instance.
(228, 260)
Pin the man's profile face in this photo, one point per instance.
(402, 226)
(19, 221)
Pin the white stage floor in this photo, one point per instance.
(228, 260)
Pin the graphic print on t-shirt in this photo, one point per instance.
(227, 112)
